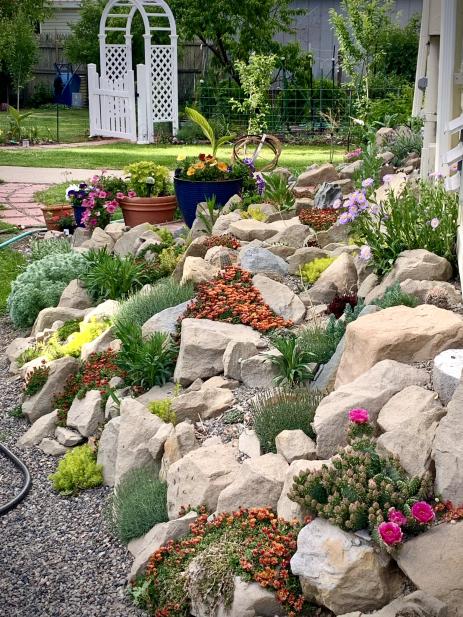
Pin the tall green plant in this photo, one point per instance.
(209, 132)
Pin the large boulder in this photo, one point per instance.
(447, 372)
(41, 403)
(418, 265)
(258, 260)
(342, 273)
(405, 405)
(433, 561)
(280, 298)
(181, 441)
(142, 548)
(371, 391)
(398, 333)
(416, 604)
(106, 310)
(341, 571)
(448, 451)
(421, 289)
(202, 404)
(196, 270)
(86, 414)
(258, 372)
(131, 241)
(249, 229)
(235, 353)
(47, 317)
(259, 484)
(200, 477)
(164, 321)
(107, 450)
(295, 234)
(286, 507)
(75, 296)
(202, 346)
(136, 428)
(43, 427)
(304, 256)
(317, 175)
(294, 445)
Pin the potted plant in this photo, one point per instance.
(58, 217)
(150, 197)
(95, 203)
(197, 180)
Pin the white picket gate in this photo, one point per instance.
(112, 107)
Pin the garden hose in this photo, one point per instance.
(27, 480)
(24, 234)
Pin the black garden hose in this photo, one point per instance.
(27, 480)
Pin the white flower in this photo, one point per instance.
(71, 187)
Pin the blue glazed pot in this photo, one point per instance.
(189, 194)
(78, 212)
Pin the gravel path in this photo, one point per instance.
(56, 555)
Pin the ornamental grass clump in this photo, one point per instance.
(139, 502)
(253, 544)
(77, 471)
(283, 409)
(361, 490)
(232, 297)
(41, 285)
(311, 272)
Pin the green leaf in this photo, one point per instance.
(198, 118)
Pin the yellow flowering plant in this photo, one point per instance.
(208, 168)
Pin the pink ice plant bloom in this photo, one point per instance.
(359, 416)
(390, 533)
(423, 512)
(397, 517)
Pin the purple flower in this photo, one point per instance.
(365, 253)
(260, 183)
(387, 178)
(367, 183)
(344, 218)
(397, 517)
(435, 222)
(390, 533)
(250, 163)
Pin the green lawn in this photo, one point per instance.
(116, 156)
(73, 123)
(11, 264)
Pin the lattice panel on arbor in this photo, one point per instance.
(116, 61)
(161, 82)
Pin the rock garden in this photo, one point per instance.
(265, 409)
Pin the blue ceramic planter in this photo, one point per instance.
(189, 194)
(78, 212)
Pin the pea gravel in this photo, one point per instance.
(57, 558)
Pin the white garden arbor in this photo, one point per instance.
(113, 109)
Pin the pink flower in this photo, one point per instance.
(131, 194)
(359, 416)
(120, 195)
(397, 517)
(110, 206)
(390, 533)
(95, 179)
(423, 512)
(102, 194)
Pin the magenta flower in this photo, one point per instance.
(397, 517)
(102, 194)
(359, 416)
(120, 195)
(131, 194)
(390, 533)
(423, 512)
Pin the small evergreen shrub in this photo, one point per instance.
(394, 296)
(77, 471)
(282, 409)
(163, 409)
(41, 285)
(53, 246)
(36, 379)
(139, 503)
(311, 272)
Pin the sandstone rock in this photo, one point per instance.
(222, 224)
(200, 477)
(234, 354)
(220, 255)
(325, 378)
(411, 442)
(156, 443)
(385, 135)
(280, 250)
(421, 289)
(258, 484)
(249, 229)
(219, 381)
(416, 603)
(79, 236)
(197, 270)
(115, 230)
(103, 342)
(99, 240)
(304, 256)
(418, 265)
(447, 372)
(249, 600)
(48, 316)
(164, 321)
(142, 548)
(202, 346)
(371, 391)
(43, 427)
(448, 451)
(349, 170)
(320, 293)
(177, 445)
(202, 404)
(17, 346)
(131, 241)
(68, 438)
(249, 444)
(106, 310)
(107, 450)
(41, 403)
(294, 235)
(398, 333)
(258, 372)
(405, 405)
(295, 445)
(342, 273)
(52, 447)
(157, 393)
(286, 508)
(342, 572)
(86, 414)
(368, 285)
(75, 296)
(280, 298)
(260, 260)
(441, 546)
(324, 173)
(137, 426)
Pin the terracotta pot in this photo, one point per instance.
(137, 210)
(50, 212)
